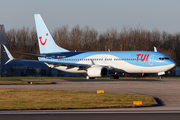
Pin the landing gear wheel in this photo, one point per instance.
(159, 77)
(87, 77)
(114, 77)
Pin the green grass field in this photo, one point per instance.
(21, 99)
(23, 82)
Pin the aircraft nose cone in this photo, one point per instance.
(173, 63)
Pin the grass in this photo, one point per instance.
(23, 82)
(21, 99)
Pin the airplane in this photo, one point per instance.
(96, 63)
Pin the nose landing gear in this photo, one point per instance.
(159, 77)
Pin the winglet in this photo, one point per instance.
(9, 55)
(155, 50)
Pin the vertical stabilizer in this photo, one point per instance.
(45, 40)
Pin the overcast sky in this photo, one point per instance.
(98, 14)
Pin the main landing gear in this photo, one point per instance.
(115, 76)
(87, 77)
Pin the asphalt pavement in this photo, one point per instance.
(165, 91)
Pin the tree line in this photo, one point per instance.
(88, 39)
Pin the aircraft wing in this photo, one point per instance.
(29, 54)
(57, 64)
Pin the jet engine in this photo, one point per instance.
(97, 71)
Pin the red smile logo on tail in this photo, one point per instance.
(43, 43)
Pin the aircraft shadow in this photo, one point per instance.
(111, 80)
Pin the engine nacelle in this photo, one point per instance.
(97, 71)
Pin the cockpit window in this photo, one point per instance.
(164, 58)
(161, 58)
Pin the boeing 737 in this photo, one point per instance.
(97, 63)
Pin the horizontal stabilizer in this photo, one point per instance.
(9, 55)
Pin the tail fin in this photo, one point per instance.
(45, 40)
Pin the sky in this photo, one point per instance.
(102, 15)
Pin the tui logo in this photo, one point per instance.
(43, 43)
(142, 57)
